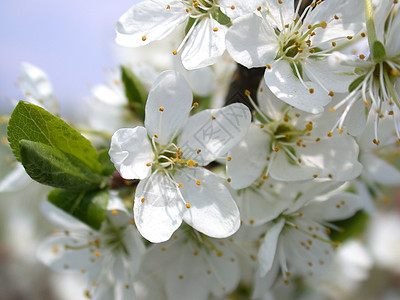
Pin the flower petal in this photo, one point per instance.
(335, 157)
(237, 8)
(251, 42)
(243, 169)
(333, 78)
(148, 21)
(212, 209)
(130, 151)
(205, 45)
(283, 82)
(168, 106)
(214, 132)
(380, 171)
(159, 214)
(266, 253)
(336, 207)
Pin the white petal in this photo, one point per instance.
(160, 214)
(269, 104)
(336, 207)
(225, 273)
(286, 86)
(237, 8)
(202, 81)
(109, 95)
(54, 253)
(259, 205)
(281, 13)
(251, 42)
(148, 21)
(335, 157)
(35, 84)
(350, 22)
(244, 169)
(130, 151)
(266, 253)
(212, 209)
(332, 78)
(171, 92)
(214, 132)
(205, 45)
(380, 171)
(62, 219)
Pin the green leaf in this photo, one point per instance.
(89, 207)
(220, 17)
(378, 52)
(134, 91)
(356, 83)
(53, 167)
(106, 164)
(33, 123)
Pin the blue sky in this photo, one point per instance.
(70, 40)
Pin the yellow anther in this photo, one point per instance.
(215, 29)
(198, 151)
(317, 139)
(195, 104)
(208, 272)
(276, 149)
(309, 26)
(198, 182)
(329, 134)
(269, 66)
(336, 17)
(143, 199)
(195, 253)
(315, 176)
(331, 94)
(132, 222)
(334, 44)
(180, 185)
(229, 158)
(155, 135)
(97, 254)
(190, 163)
(299, 160)
(300, 214)
(220, 253)
(87, 294)
(311, 90)
(259, 8)
(376, 142)
(394, 72)
(168, 6)
(163, 249)
(330, 175)
(144, 38)
(309, 126)
(174, 52)
(288, 273)
(323, 24)
(161, 108)
(187, 10)
(340, 130)
(114, 211)
(247, 92)
(187, 205)
(362, 56)
(233, 7)
(349, 37)
(181, 277)
(148, 164)
(251, 222)
(213, 117)
(229, 179)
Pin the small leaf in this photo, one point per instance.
(220, 17)
(53, 167)
(106, 164)
(356, 83)
(89, 207)
(33, 123)
(378, 52)
(134, 91)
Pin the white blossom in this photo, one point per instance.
(168, 154)
(294, 48)
(108, 259)
(291, 145)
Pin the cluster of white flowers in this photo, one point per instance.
(261, 187)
